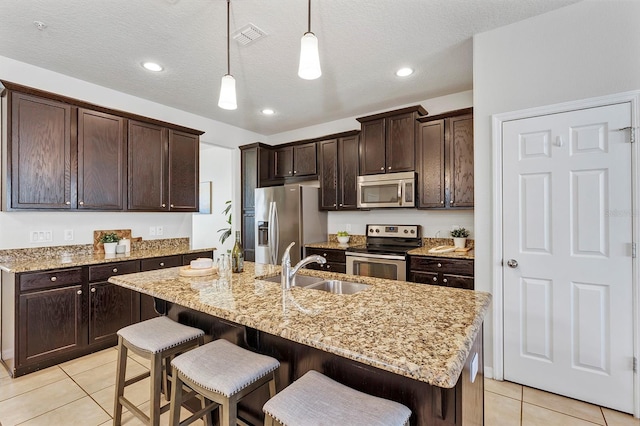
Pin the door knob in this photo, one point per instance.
(512, 263)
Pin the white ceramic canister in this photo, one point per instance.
(126, 243)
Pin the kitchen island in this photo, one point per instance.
(419, 345)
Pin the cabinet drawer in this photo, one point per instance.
(161, 262)
(103, 272)
(329, 267)
(40, 280)
(442, 265)
(187, 258)
(332, 256)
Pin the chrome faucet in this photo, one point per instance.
(289, 273)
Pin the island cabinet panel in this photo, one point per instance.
(444, 160)
(41, 152)
(147, 167)
(101, 160)
(184, 181)
(151, 307)
(449, 272)
(336, 260)
(387, 143)
(111, 307)
(338, 160)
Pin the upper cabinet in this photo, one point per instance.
(444, 158)
(65, 154)
(387, 142)
(339, 173)
(296, 160)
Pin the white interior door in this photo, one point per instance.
(567, 222)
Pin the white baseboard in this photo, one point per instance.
(488, 372)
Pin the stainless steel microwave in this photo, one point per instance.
(387, 190)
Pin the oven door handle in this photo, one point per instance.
(376, 256)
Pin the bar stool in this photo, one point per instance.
(159, 340)
(222, 373)
(315, 399)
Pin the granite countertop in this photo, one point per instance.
(42, 263)
(424, 251)
(419, 331)
(333, 245)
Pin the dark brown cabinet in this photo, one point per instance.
(101, 160)
(387, 142)
(41, 153)
(339, 173)
(457, 273)
(296, 160)
(336, 260)
(444, 157)
(111, 307)
(65, 154)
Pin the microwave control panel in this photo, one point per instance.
(404, 231)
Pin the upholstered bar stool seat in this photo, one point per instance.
(223, 373)
(158, 339)
(315, 400)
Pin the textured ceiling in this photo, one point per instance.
(362, 43)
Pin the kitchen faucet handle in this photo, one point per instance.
(286, 257)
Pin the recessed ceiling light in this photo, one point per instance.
(268, 111)
(152, 66)
(404, 72)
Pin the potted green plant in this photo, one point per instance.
(226, 232)
(459, 236)
(110, 241)
(343, 237)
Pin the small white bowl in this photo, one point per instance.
(201, 263)
(343, 240)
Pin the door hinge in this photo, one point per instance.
(632, 133)
(635, 364)
(633, 250)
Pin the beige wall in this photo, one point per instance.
(584, 50)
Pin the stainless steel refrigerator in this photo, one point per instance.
(286, 214)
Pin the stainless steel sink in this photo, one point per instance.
(299, 280)
(338, 287)
(317, 283)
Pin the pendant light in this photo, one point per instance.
(228, 84)
(309, 67)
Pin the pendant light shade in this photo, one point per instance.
(309, 67)
(227, 98)
(228, 93)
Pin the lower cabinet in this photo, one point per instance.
(52, 316)
(457, 273)
(336, 260)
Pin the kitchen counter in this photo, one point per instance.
(421, 332)
(58, 260)
(428, 243)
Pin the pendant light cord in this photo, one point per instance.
(309, 18)
(228, 48)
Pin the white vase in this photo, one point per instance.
(343, 240)
(110, 248)
(459, 242)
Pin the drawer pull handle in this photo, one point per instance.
(324, 254)
(68, 203)
(171, 205)
(444, 280)
(161, 263)
(54, 279)
(435, 279)
(439, 265)
(79, 291)
(115, 270)
(164, 205)
(328, 266)
(93, 290)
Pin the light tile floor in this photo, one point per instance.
(80, 392)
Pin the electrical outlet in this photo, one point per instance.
(159, 230)
(33, 236)
(152, 230)
(68, 234)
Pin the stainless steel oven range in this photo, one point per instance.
(385, 253)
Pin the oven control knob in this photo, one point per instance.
(377, 231)
(406, 231)
(371, 231)
(413, 231)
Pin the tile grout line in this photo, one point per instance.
(87, 393)
(567, 414)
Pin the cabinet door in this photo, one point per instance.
(249, 235)
(424, 277)
(50, 323)
(400, 143)
(160, 263)
(305, 160)
(457, 281)
(111, 307)
(42, 154)
(147, 167)
(348, 173)
(461, 161)
(184, 175)
(372, 147)
(329, 174)
(430, 162)
(101, 160)
(249, 182)
(283, 159)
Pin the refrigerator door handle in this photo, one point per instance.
(276, 232)
(270, 234)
